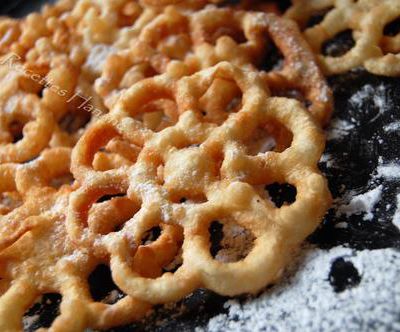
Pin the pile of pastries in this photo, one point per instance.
(127, 128)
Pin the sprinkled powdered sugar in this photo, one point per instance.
(305, 301)
(76, 256)
(396, 216)
(389, 171)
(11, 104)
(342, 224)
(339, 128)
(358, 204)
(391, 127)
(377, 95)
(97, 57)
(327, 159)
(28, 321)
(236, 243)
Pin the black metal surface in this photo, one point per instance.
(356, 159)
(20, 8)
(7, 7)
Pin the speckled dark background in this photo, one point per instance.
(355, 160)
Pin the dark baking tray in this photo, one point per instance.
(356, 158)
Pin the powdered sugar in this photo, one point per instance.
(28, 321)
(76, 256)
(236, 244)
(11, 104)
(342, 225)
(396, 216)
(360, 204)
(305, 301)
(389, 171)
(375, 95)
(394, 126)
(97, 57)
(339, 129)
(327, 159)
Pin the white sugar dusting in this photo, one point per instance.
(76, 256)
(391, 127)
(305, 301)
(11, 104)
(375, 95)
(28, 321)
(236, 243)
(389, 171)
(327, 159)
(97, 57)
(342, 225)
(396, 216)
(361, 204)
(339, 129)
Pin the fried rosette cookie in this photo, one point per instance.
(211, 165)
(185, 42)
(374, 46)
(34, 242)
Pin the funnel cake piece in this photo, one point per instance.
(388, 61)
(186, 140)
(164, 44)
(366, 19)
(9, 197)
(109, 23)
(26, 128)
(35, 102)
(230, 195)
(20, 36)
(65, 272)
(137, 116)
(183, 4)
(336, 21)
(39, 245)
(200, 170)
(302, 11)
(99, 23)
(33, 184)
(225, 34)
(127, 67)
(9, 33)
(204, 38)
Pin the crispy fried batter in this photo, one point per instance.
(128, 127)
(202, 157)
(366, 19)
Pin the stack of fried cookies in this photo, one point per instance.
(127, 128)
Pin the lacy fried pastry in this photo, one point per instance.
(128, 128)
